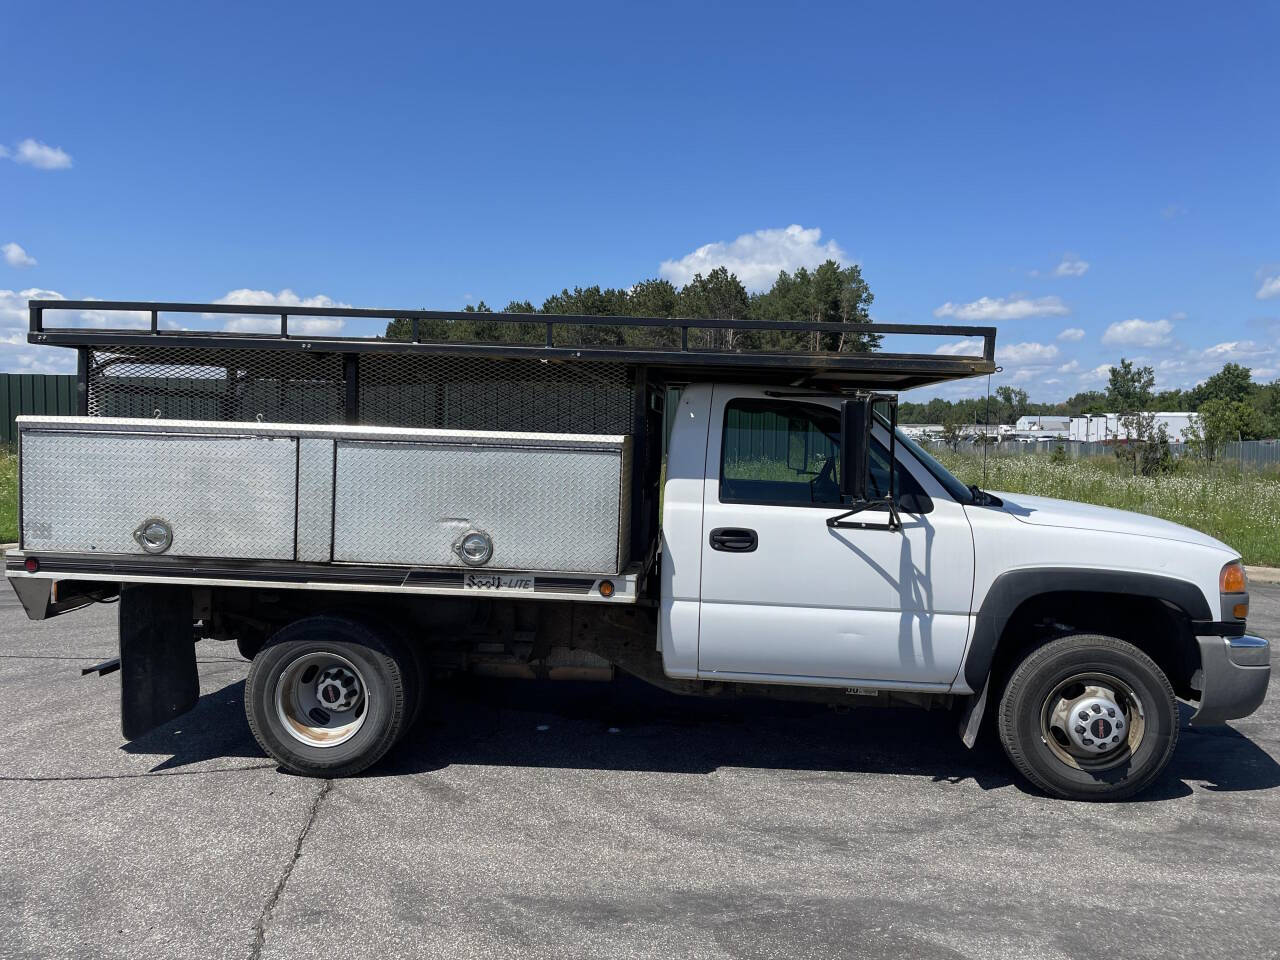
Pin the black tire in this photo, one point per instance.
(1033, 689)
(384, 679)
(249, 645)
(414, 658)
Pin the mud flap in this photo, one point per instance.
(971, 717)
(158, 679)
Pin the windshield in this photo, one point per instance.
(958, 491)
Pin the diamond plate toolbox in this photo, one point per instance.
(550, 503)
(553, 504)
(222, 496)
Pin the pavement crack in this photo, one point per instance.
(264, 918)
(133, 776)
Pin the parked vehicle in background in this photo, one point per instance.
(361, 515)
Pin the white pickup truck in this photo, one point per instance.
(363, 516)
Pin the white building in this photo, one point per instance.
(1046, 423)
(1101, 427)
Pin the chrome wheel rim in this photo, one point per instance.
(1092, 721)
(321, 699)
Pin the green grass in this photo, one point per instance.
(8, 498)
(1237, 507)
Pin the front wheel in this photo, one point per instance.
(1089, 717)
(328, 696)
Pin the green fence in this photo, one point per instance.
(43, 393)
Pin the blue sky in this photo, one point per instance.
(1096, 180)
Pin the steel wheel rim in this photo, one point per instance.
(1062, 714)
(315, 700)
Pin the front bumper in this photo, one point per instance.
(1233, 677)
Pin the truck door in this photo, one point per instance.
(785, 597)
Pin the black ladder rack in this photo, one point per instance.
(679, 361)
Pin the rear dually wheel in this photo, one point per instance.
(328, 696)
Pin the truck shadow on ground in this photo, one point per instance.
(497, 723)
(215, 728)
(629, 726)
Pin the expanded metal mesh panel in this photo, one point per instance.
(395, 390)
(182, 383)
(469, 393)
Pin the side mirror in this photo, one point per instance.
(855, 434)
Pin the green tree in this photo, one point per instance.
(593, 301)
(952, 432)
(719, 295)
(1084, 403)
(1129, 388)
(1266, 400)
(1146, 442)
(828, 294)
(653, 298)
(1232, 383)
(1013, 403)
(1221, 420)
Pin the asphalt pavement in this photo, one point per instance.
(566, 821)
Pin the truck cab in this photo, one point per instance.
(775, 594)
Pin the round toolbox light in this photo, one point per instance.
(475, 548)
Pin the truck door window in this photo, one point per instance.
(787, 453)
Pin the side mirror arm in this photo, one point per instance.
(841, 521)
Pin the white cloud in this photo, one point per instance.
(16, 355)
(15, 256)
(36, 154)
(1138, 333)
(1236, 351)
(1071, 335)
(116, 319)
(1071, 266)
(971, 347)
(249, 323)
(989, 309)
(1270, 287)
(1027, 354)
(1071, 366)
(756, 258)
(1097, 375)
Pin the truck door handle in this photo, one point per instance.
(734, 539)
